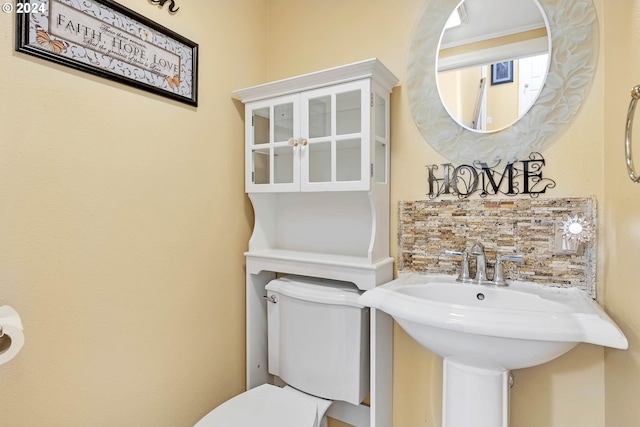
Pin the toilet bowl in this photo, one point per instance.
(269, 406)
(318, 344)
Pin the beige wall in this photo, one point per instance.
(622, 212)
(311, 35)
(123, 222)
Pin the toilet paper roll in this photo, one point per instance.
(12, 335)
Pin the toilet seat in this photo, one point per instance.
(268, 406)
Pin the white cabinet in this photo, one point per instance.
(318, 132)
(316, 170)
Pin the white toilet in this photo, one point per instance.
(318, 345)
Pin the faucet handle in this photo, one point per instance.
(498, 274)
(512, 258)
(464, 275)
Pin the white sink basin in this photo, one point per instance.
(513, 327)
(482, 332)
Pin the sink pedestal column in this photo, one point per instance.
(474, 396)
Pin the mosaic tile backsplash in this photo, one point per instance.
(526, 227)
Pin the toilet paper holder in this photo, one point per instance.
(11, 334)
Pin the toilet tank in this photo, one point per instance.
(319, 337)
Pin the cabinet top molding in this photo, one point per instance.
(370, 68)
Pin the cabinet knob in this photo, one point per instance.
(294, 142)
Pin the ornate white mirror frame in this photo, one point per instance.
(574, 35)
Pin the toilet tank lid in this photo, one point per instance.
(323, 291)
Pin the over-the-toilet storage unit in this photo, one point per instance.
(317, 173)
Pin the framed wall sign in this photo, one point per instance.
(107, 39)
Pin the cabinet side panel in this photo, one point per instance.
(264, 228)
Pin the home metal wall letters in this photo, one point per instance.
(517, 177)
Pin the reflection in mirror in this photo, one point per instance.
(492, 61)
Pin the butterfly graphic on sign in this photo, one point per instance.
(44, 39)
(174, 81)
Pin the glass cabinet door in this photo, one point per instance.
(381, 138)
(272, 163)
(335, 154)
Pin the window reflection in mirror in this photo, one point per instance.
(492, 62)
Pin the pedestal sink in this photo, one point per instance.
(482, 332)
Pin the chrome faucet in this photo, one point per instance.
(477, 250)
(481, 277)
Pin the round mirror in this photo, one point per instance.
(572, 27)
(492, 66)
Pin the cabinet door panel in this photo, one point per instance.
(261, 170)
(335, 121)
(283, 162)
(319, 154)
(381, 116)
(380, 162)
(319, 116)
(272, 164)
(381, 137)
(283, 123)
(349, 160)
(261, 119)
(349, 112)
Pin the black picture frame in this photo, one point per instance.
(106, 39)
(502, 72)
